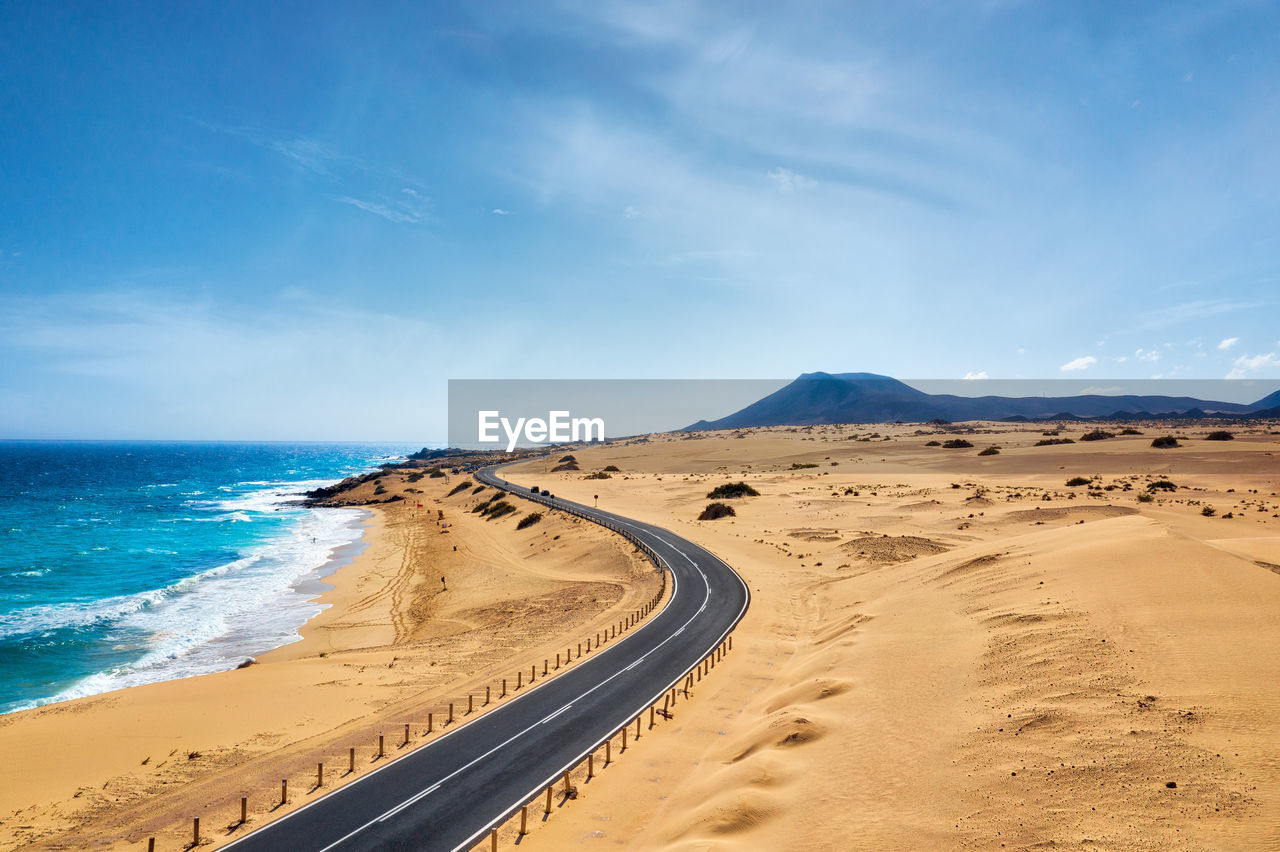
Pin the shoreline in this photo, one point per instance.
(386, 647)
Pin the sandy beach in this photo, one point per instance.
(111, 770)
(944, 650)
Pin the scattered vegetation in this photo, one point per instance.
(731, 490)
(436, 473)
(990, 451)
(1165, 442)
(460, 487)
(498, 509)
(529, 520)
(1078, 480)
(1208, 511)
(1144, 497)
(956, 444)
(613, 468)
(803, 465)
(1049, 442)
(933, 444)
(569, 465)
(1130, 431)
(715, 511)
(1220, 435)
(1161, 485)
(568, 458)
(477, 489)
(1097, 435)
(599, 474)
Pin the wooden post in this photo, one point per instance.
(450, 720)
(381, 751)
(637, 727)
(545, 669)
(591, 766)
(588, 644)
(471, 703)
(557, 661)
(493, 840)
(284, 791)
(567, 787)
(519, 675)
(486, 696)
(195, 831)
(151, 844)
(624, 739)
(533, 673)
(524, 820)
(608, 751)
(548, 801)
(244, 809)
(699, 672)
(580, 649)
(666, 702)
(406, 733)
(651, 717)
(351, 762)
(504, 688)
(431, 722)
(320, 774)
(730, 641)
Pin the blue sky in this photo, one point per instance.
(298, 220)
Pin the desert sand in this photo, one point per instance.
(111, 770)
(944, 650)
(947, 650)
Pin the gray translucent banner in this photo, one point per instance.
(505, 414)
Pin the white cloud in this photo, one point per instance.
(1247, 364)
(498, 211)
(789, 181)
(631, 212)
(401, 214)
(1147, 355)
(1228, 343)
(972, 376)
(1079, 364)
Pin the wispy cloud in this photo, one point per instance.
(1246, 365)
(393, 211)
(973, 377)
(1228, 343)
(498, 211)
(788, 181)
(1083, 363)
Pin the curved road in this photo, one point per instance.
(448, 794)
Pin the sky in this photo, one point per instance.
(297, 221)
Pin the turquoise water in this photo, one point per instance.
(128, 563)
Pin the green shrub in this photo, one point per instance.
(459, 488)
(599, 474)
(715, 511)
(477, 489)
(1165, 442)
(956, 444)
(1220, 435)
(436, 473)
(1208, 511)
(990, 451)
(497, 510)
(1097, 435)
(567, 459)
(1130, 431)
(570, 465)
(1145, 498)
(529, 520)
(1050, 442)
(1161, 485)
(1078, 480)
(732, 489)
(933, 443)
(803, 465)
(613, 468)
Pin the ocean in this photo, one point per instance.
(127, 563)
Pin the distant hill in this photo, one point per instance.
(816, 398)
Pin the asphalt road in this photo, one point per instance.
(447, 795)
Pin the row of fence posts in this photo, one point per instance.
(602, 637)
(667, 712)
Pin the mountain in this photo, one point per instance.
(815, 398)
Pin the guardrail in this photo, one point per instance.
(681, 685)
